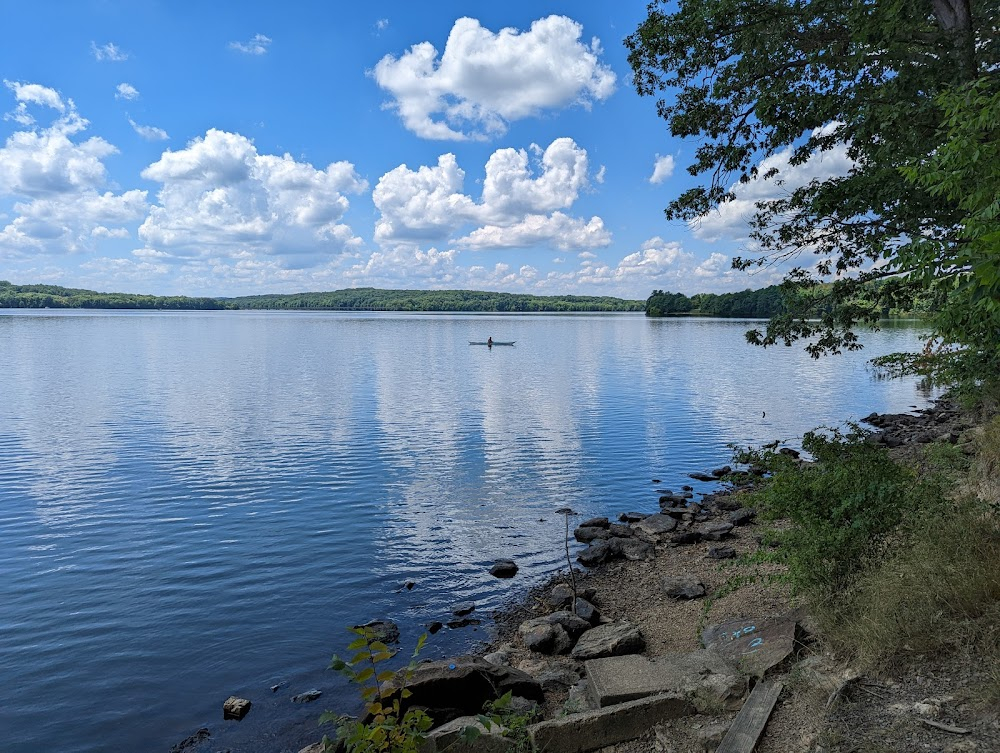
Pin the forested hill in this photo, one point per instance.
(434, 300)
(763, 303)
(363, 299)
(57, 297)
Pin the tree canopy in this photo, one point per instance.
(909, 88)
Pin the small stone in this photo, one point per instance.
(789, 452)
(279, 686)
(599, 551)
(721, 553)
(682, 586)
(504, 569)
(632, 517)
(464, 622)
(307, 697)
(723, 471)
(544, 637)
(235, 708)
(710, 736)
(587, 611)
(463, 608)
(433, 627)
(687, 488)
(687, 537)
(715, 531)
(699, 476)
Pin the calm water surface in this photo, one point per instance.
(196, 504)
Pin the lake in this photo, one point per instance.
(196, 504)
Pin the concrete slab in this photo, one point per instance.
(591, 730)
(702, 675)
(757, 646)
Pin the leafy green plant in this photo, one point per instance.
(511, 723)
(843, 507)
(386, 727)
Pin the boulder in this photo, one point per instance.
(742, 517)
(756, 645)
(557, 678)
(587, 534)
(433, 627)
(386, 631)
(235, 708)
(307, 697)
(450, 688)
(573, 624)
(632, 517)
(463, 608)
(599, 551)
(699, 476)
(503, 569)
(587, 611)
(715, 531)
(633, 550)
(595, 523)
(794, 454)
(193, 740)
(686, 537)
(721, 553)
(463, 622)
(613, 639)
(621, 531)
(544, 637)
(682, 586)
(656, 525)
(723, 471)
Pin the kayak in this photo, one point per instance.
(495, 342)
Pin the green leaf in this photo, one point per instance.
(356, 644)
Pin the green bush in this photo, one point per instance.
(843, 507)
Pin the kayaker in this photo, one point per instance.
(489, 342)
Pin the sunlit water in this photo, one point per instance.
(196, 504)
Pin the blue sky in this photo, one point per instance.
(239, 148)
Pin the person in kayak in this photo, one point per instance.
(489, 342)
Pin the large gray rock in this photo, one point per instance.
(715, 531)
(587, 611)
(504, 569)
(756, 645)
(589, 533)
(613, 639)
(703, 676)
(601, 522)
(592, 730)
(682, 586)
(743, 516)
(450, 688)
(386, 631)
(633, 550)
(573, 624)
(599, 551)
(544, 637)
(656, 525)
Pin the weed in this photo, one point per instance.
(386, 728)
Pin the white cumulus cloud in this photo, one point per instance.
(150, 133)
(220, 196)
(663, 168)
(521, 197)
(258, 44)
(484, 80)
(58, 183)
(126, 91)
(109, 51)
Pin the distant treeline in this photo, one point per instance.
(434, 300)
(54, 296)
(762, 304)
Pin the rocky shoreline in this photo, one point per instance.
(670, 618)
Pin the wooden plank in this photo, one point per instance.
(749, 723)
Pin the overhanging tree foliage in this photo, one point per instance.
(750, 78)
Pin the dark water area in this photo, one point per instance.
(196, 504)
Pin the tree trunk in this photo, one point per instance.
(955, 18)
